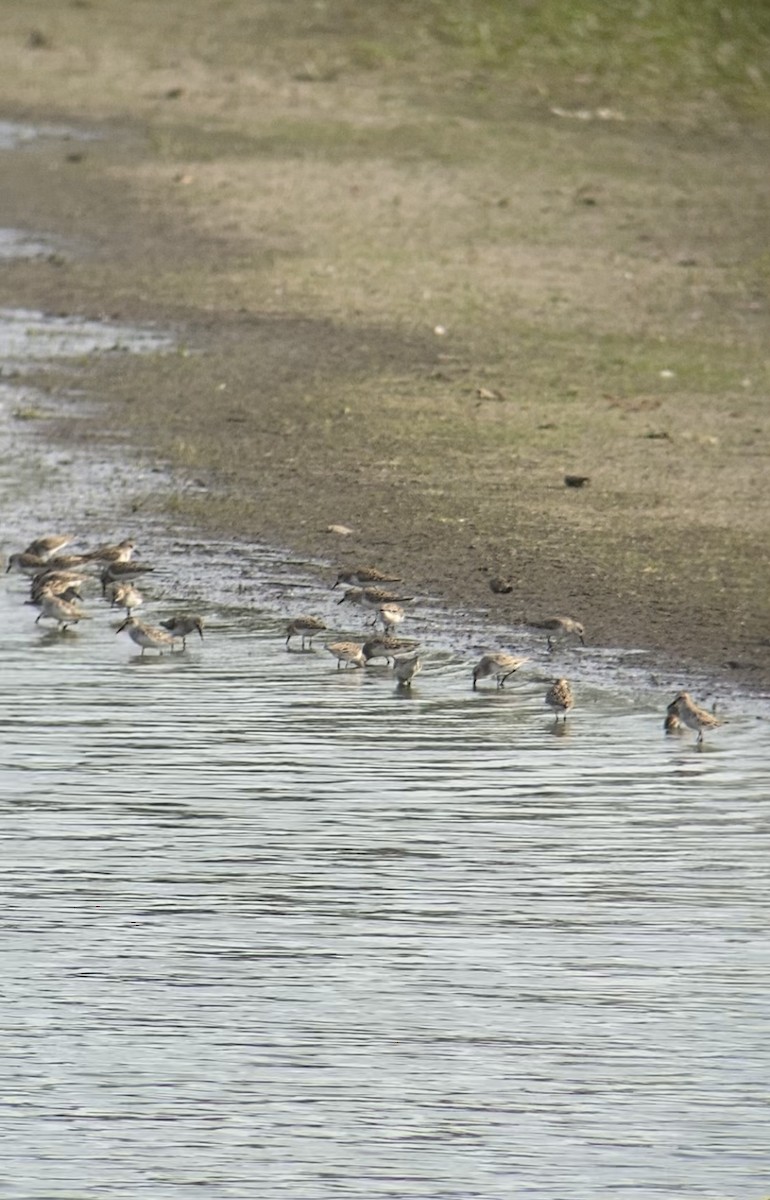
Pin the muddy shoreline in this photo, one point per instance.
(293, 421)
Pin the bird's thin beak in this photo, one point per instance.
(342, 601)
(120, 628)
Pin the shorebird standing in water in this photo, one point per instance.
(120, 572)
(57, 582)
(692, 715)
(26, 563)
(671, 721)
(182, 626)
(559, 629)
(123, 595)
(384, 646)
(55, 608)
(391, 615)
(501, 665)
(349, 653)
(66, 562)
(44, 547)
(406, 666)
(149, 637)
(373, 597)
(305, 627)
(121, 552)
(365, 577)
(559, 698)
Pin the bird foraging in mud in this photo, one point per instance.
(560, 629)
(365, 577)
(501, 665)
(373, 597)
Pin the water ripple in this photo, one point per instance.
(274, 929)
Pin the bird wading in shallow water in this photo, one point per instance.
(123, 595)
(405, 667)
(671, 721)
(181, 626)
(348, 653)
(560, 629)
(44, 547)
(373, 597)
(306, 628)
(391, 615)
(56, 608)
(501, 665)
(26, 564)
(121, 552)
(559, 698)
(365, 577)
(120, 572)
(388, 647)
(149, 637)
(692, 715)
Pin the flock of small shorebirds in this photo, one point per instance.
(57, 579)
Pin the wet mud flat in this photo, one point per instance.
(285, 422)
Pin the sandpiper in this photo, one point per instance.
(123, 595)
(373, 597)
(66, 562)
(391, 615)
(149, 637)
(406, 667)
(349, 653)
(559, 628)
(119, 572)
(692, 715)
(183, 625)
(501, 665)
(55, 608)
(305, 627)
(559, 697)
(387, 647)
(44, 547)
(365, 576)
(57, 582)
(26, 563)
(121, 552)
(671, 722)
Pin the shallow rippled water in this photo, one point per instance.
(273, 929)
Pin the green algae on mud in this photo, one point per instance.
(419, 281)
